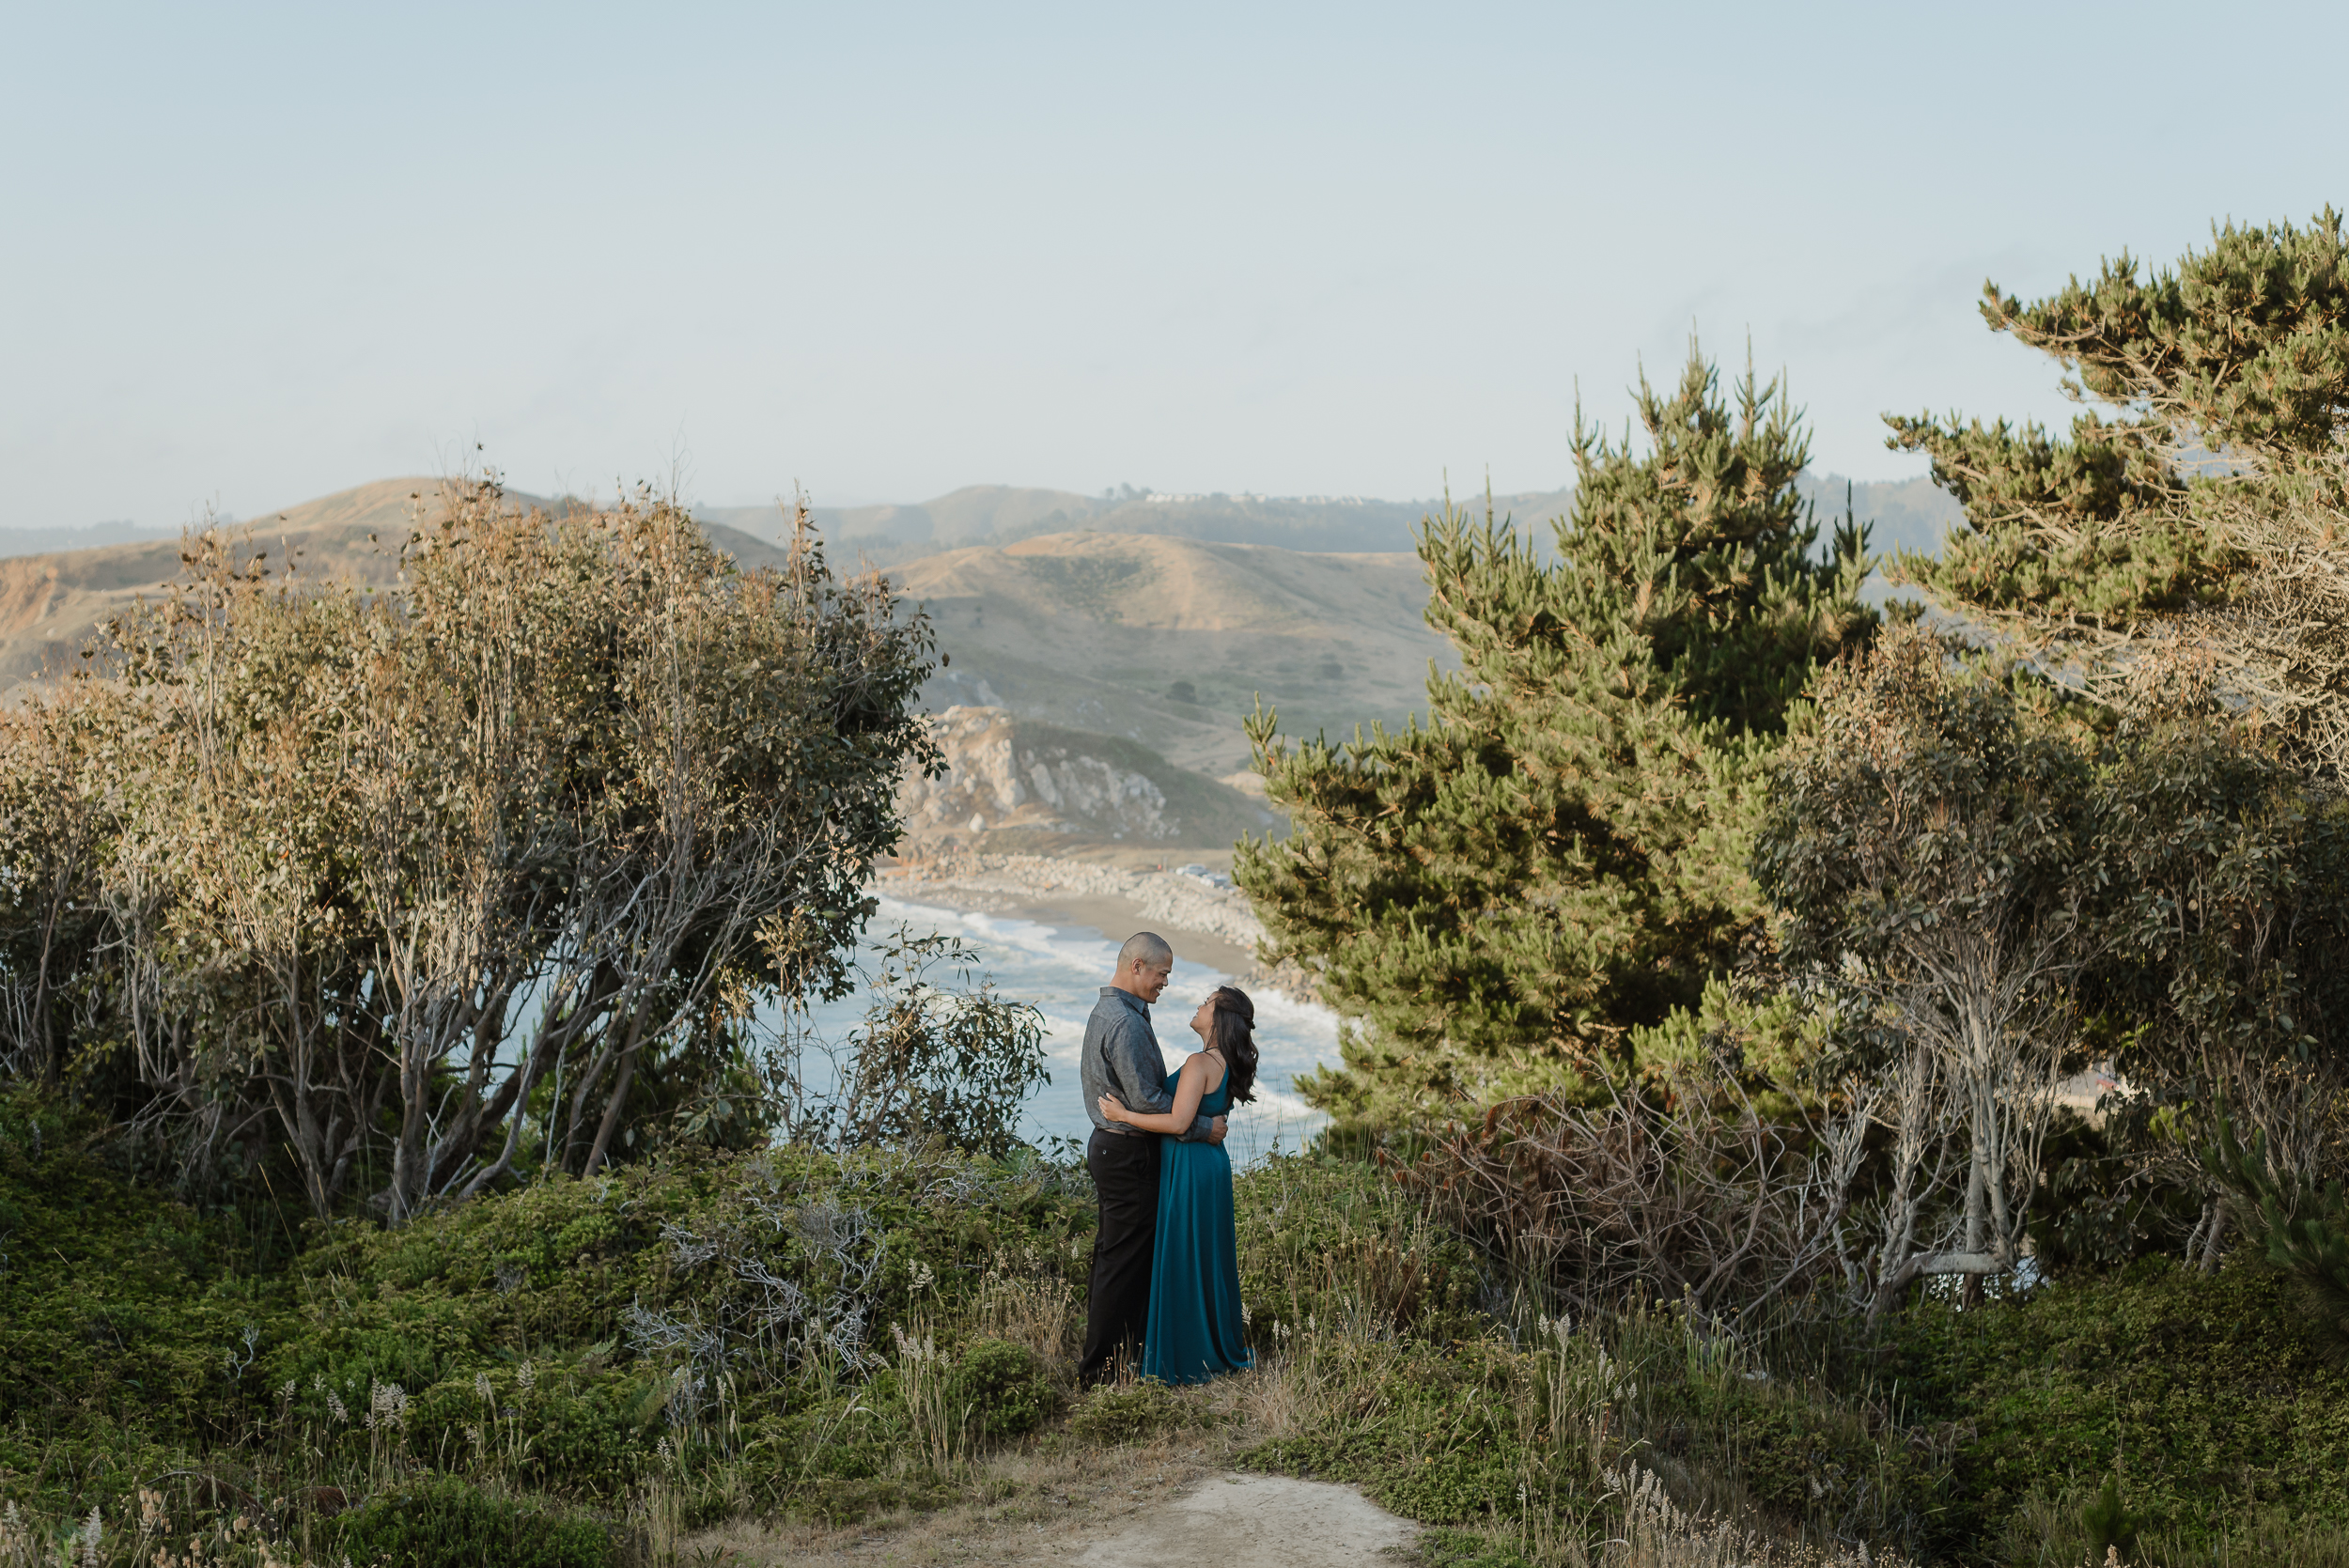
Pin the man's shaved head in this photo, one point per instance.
(1146, 947)
(1143, 965)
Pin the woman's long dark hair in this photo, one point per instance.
(1232, 1030)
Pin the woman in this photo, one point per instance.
(1196, 1331)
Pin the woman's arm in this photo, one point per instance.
(1190, 1089)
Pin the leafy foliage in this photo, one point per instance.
(1112, 1414)
(2225, 878)
(2301, 1227)
(2201, 1392)
(1965, 865)
(1555, 858)
(951, 1063)
(1001, 1389)
(1925, 792)
(2112, 1528)
(609, 1354)
(719, 1316)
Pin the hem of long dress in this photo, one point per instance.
(1174, 1380)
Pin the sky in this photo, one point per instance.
(250, 255)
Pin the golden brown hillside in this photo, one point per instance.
(1169, 641)
(51, 605)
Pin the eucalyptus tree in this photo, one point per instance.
(422, 885)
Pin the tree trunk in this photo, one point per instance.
(2218, 1233)
(619, 1096)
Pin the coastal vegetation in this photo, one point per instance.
(1818, 1086)
(1985, 950)
(1552, 862)
(759, 1351)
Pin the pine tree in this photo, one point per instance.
(2194, 539)
(1555, 858)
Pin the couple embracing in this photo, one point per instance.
(1165, 1264)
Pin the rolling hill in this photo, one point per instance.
(1152, 638)
(1170, 642)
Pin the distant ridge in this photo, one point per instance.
(49, 541)
(1158, 619)
(1006, 513)
(1149, 636)
(1908, 514)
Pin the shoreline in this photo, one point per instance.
(1204, 923)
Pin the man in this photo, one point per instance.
(1121, 1057)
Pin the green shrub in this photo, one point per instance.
(449, 1523)
(1459, 1549)
(999, 1388)
(2202, 1391)
(1321, 1238)
(2303, 1228)
(1127, 1415)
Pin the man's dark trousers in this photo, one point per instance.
(1118, 1310)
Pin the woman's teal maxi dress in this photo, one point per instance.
(1196, 1331)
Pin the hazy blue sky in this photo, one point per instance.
(255, 254)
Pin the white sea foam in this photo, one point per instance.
(1061, 969)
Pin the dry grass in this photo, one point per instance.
(1658, 1534)
(1271, 1401)
(1039, 1311)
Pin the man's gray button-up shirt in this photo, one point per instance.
(1121, 1057)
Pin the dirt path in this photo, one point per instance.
(1164, 1504)
(1254, 1521)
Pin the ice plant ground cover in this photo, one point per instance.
(595, 1371)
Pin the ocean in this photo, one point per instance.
(1061, 969)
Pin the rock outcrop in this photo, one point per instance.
(1003, 773)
